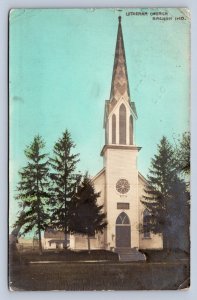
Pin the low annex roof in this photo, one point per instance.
(51, 233)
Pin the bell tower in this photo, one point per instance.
(120, 157)
(120, 111)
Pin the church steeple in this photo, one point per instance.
(120, 83)
(120, 111)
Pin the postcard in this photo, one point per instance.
(99, 139)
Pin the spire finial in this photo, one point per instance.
(119, 18)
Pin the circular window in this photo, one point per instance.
(122, 186)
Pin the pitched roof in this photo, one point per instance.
(56, 241)
(51, 233)
(142, 178)
(98, 174)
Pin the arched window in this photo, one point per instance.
(113, 129)
(146, 222)
(123, 219)
(122, 124)
(131, 130)
(106, 133)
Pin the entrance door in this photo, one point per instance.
(123, 231)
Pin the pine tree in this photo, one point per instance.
(88, 217)
(182, 152)
(33, 190)
(165, 195)
(64, 181)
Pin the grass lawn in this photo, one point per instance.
(99, 270)
(68, 255)
(98, 276)
(164, 255)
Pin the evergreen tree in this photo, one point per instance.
(88, 217)
(33, 190)
(165, 196)
(182, 151)
(64, 181)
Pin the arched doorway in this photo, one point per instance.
(123, 231)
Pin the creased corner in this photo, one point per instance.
(185, 285)
(186, 12)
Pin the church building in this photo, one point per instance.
(120, 184)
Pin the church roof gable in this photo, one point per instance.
(100, 173)
(142, 178)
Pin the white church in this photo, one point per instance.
(120, 184)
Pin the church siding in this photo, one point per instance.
(122, 164)
(99, 185)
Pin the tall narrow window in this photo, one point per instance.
(131, 130)
(113, 129)
(106, 133)
(122, 125)
(146, 222)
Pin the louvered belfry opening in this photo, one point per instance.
(122, 124)
(131, 130)
(113, 129)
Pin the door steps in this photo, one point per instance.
(130, 254)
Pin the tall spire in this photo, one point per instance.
(120, 83)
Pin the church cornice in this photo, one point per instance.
(122, 147)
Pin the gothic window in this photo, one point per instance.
(113, 129)
(131, 130)
(123, 219)
(146, 222)
(122, 124)
(106, 133)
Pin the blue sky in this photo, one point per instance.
(61, 64)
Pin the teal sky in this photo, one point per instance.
(61, 64)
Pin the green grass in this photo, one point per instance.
(166, 256)
(98, 276)
(71, 272)
(68, 255)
